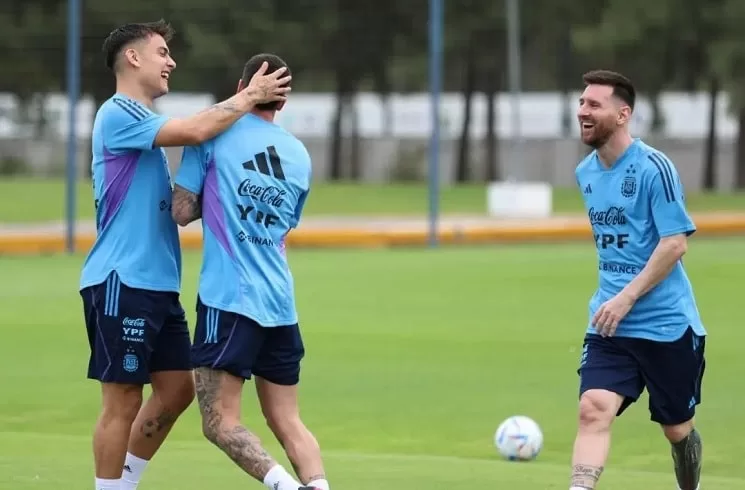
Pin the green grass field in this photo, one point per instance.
(414, 358)
(31, 200)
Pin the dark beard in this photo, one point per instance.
(600, 140)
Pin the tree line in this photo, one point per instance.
(346, 46)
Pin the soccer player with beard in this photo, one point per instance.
(249, 185)
(644, 328)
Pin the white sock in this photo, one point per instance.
(319, 484)
(279, 479)
(132, 472)
(106, 484)
(578, 488)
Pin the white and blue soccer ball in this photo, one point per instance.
(519, 438)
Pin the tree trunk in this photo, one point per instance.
(335, 167)
(710, 150)
(469, 87)
(658, 122)
(354, 143)
(491, 140)
(565, 76)
(740, 162)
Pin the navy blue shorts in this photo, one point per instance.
(134, 332)
(672, 372)
(238, 345)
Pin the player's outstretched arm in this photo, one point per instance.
(216, 119)
(186, 206)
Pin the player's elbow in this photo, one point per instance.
(676, 245)
(197, 135)
(180, 215)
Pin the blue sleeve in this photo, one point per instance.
(193, 168)
(304, 196)
(130, 126)
(299, 209)
(667, 200)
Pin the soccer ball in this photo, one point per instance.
(519, 438)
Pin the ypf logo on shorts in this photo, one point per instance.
(133, 330)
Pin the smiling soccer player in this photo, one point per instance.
(131, 278)
(644, 326)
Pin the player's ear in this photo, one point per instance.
(240, 86)
(132, 57)
(624, 115)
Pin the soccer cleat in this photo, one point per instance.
(308, 488)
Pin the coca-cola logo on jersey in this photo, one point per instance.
(274, 196)
(614, 215)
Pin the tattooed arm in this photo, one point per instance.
(200, 127)
(216, 119)
(221, 425)
(186, 206)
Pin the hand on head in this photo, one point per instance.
(269, 87)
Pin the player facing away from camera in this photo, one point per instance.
(249, 186)
(131, 278)
(644, 328)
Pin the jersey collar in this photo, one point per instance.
(622, 158)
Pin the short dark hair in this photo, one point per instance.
(123, 35)
(622, 86)
(253, 65)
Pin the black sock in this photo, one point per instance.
(687, 459)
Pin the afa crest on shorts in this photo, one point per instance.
(130, 363)
(628, 187)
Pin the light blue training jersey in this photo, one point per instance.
(631, 206)
(254, 179)
(136, 235)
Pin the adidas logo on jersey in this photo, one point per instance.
(262, 165)
(588, 189)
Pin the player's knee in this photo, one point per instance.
(220, 430)
(288, 427)
(596, 410)
(121, 402)
(283, 426)
(219, 397)
(210, 431)
(292, 433)
(212, 426)
(678, 432)
(216, 423)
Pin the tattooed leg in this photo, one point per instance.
(219, 397)
(173, 392)
(279, 404)
(584, 476)
(597, 410)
